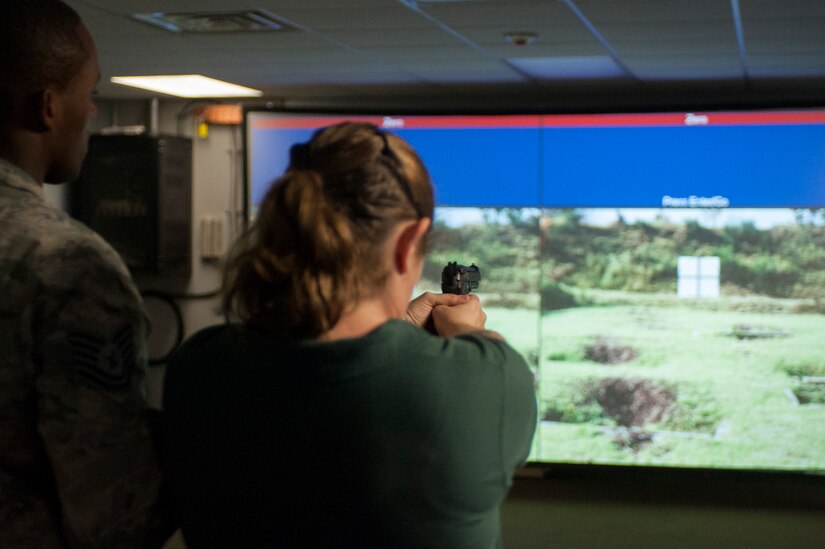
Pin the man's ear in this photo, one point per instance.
(41, 110)
(408, 244)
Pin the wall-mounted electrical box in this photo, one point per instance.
(136, 192)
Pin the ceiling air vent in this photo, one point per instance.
(214, 22)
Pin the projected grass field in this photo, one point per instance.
(629, 372)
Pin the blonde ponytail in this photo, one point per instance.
(315, 247)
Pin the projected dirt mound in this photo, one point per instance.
(747, 331)
(810, 393)
(606, 351)
(635, 402)
(623, 402)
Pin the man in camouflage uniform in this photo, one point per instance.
(77, 466)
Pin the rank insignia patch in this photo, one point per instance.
(108, 362)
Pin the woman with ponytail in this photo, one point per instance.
(329, 411)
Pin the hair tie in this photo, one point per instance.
(386, 150)
(394, 164)
(299, 156)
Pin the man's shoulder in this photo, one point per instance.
(49, 240)
(56, 229)
(37, 219)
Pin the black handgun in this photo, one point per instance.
(458, 279)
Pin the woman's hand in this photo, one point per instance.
(420, 309)
(460, 318)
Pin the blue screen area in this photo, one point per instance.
(469, 166)
(745, 160)
(269, 157)
(750, 166)
(480, 166)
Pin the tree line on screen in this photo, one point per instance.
(521, 251)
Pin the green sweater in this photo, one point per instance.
(394, 439)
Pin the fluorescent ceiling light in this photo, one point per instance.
(187, 85)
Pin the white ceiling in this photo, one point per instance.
(374, 47)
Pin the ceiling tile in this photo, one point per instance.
(391, 16)
(375, 42)
(664, 73)
(481, 76)
(680, 47)
(783, 70)
(393, 37)
(814, 59)
(555, 68)
(424, 53)
(146, 6)
(787, 45)
(667, 30)
(812, 28)
(323, 78)
(291, 40)
(685, 61)
(515, 15)
(754, 9)
(545, 33)
(458, 65)
(652, 11)
(105, 26)
(687, 67)
(541, 49)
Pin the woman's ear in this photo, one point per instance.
(408, 244)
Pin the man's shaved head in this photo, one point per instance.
(40, 48)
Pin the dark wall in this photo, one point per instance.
(636, 508)
(588, 96)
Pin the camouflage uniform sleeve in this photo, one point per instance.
(91, 404)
